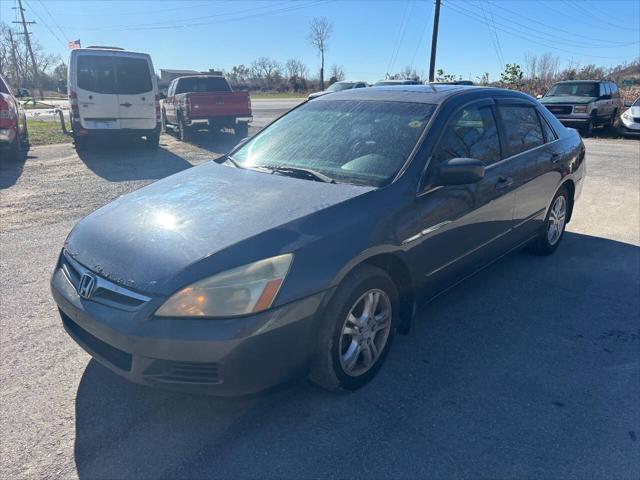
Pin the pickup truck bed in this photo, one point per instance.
(206, 101)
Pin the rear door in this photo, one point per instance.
(532, 156)
(136, 92)
(96, 91)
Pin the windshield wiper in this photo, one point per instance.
(300, 172)
(230, 159)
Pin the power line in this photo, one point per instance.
(179, 23)
(495, 32)
(54, 34)
(548, 33)
(472, 15)
(419, 44)
(54, 21)
(599, 16)
(398, 34)
(491, 29)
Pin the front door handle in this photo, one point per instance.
(126, 104)
(555, 158)
(504, 182)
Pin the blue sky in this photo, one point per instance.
(370, 38)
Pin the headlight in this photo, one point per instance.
(627, 115)
(247, 289)
(580, 109)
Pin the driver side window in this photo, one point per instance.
(472, 133)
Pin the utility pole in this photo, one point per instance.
(434, 41)
(36, 77)
(14, 60)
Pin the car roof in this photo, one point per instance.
(201, 76)
(583, 81)
(433, 94)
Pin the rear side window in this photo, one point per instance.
(549, 134)
(202, 84)
(614, 90)
(522, 128)
(96, 73)
(472, 133)
(133, 75)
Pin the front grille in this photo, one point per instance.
(560, 109)
(97, 347)
(106, 292)
(636, 119)
(167, 371)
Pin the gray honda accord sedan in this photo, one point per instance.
(308, 246)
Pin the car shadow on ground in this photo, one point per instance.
(519, 371)
(11, 169)
(112, 160)
(218, 142)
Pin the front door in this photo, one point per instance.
(457, 229)
(136, 95)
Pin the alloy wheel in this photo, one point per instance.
(557, 217)
(365, 332)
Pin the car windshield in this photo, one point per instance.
(359, 142)
(578, 89)
(336, 87)
(636, 103)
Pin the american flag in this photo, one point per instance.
(74, 44)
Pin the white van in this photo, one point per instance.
(113, 92)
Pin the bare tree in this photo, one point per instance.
(337, 73)
(294, 68)
(320, 31)
(267, 70)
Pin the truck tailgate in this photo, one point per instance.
(219, 104)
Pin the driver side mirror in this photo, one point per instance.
(460, 171)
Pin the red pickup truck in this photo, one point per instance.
(198, 101)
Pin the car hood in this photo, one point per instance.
(567, 99)
(143, 239)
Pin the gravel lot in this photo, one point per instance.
(529, 369)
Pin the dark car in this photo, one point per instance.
(392, 83)
(308, 246)
(584, 104)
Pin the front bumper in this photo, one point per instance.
(80, 131)
(220, 357)
(573, 121)
(631, 129)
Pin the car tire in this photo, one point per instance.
(80, 144)
(16, 152)
(555, 222)
(612, 121)
(26, 145)
(184, 131)
(241, 130)
(587, 130)
(152, 141)
(163, 118)
(352, 342)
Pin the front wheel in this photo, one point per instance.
(587, 130)
(17, 151)
(554, 224)
(357, 330)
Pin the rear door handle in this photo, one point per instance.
(555, 158)
(504, 182)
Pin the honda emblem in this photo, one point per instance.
(87, 285)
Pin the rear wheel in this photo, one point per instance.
(241, 130)
(554, 224)
(357, 330)
(153, 140)
(17, 152)
(184, 131)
